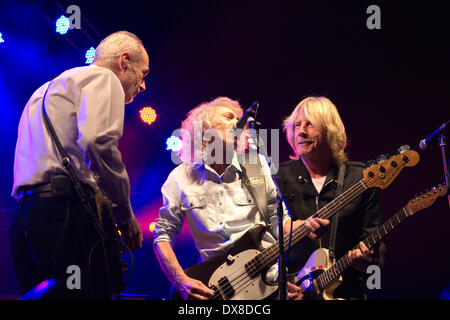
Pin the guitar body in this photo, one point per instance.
(321, 275)
(240, 274)
(220, 273)
(318, 262)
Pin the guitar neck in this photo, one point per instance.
(337, 269)
(270, 254)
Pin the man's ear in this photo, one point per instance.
(124, 61)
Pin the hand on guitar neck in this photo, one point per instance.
(361, 258)
(316, 226)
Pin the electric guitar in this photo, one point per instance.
(241, 273)
(321, 275)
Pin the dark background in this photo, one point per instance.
(390, 87)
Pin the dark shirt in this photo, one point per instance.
(358, 219)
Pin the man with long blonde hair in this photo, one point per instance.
(317, 136)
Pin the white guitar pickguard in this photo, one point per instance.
(318, 259)
(244, 287)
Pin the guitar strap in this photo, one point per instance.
(255, 182)
(65, 161)
(335, 219)
(100, 201)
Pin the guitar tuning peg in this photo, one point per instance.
(381, 158)
(391, 153)
(403, 148)
(370, 163)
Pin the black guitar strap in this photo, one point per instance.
(335, 219)
(65, 160)
(255, 182)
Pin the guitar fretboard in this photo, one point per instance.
(336, 270)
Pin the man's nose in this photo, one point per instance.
(142, 86)
(303, 129)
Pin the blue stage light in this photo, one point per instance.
(174, 143)
(1, 38)
(62, 25)
(90, 54)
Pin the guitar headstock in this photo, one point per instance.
(381, 174)
(425, 199)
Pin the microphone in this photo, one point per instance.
(425, 143)
(249, 112)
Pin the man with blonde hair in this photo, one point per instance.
(309, 181)
(212, 196)
(51, 228)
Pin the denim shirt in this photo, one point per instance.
(219, 209)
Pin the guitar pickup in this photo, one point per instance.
(225, 288)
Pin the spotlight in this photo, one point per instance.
(151, 226)
(148, 115)
(62, 25)
(173, 143)
(1, 38)
(90, 54)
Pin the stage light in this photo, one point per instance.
(90, 54)
(173, 143)
(148, 115)
(62, 25)
(1, 38)
(151, 226)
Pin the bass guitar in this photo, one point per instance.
(240, 274)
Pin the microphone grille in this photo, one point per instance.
(423, 145)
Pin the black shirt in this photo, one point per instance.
(358, 219)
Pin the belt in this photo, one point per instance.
(42, 190)
(59, 185)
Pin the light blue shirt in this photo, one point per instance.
(219, 209)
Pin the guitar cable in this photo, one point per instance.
(127, 248)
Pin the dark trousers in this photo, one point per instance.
(54, 238)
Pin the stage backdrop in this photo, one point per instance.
(390, 85)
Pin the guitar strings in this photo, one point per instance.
(351, 192)
(342, 264)
(349, 195)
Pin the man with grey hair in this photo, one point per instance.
(51, 230)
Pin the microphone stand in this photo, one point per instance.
(282, 273)
(443, 144)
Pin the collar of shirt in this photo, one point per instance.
(230, 172)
